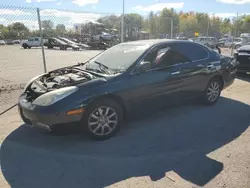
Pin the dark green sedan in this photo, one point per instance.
(101, 93)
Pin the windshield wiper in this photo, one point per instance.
(102, 67)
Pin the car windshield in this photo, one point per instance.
(118, 58)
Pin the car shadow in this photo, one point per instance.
(244, 77)
(173, 139)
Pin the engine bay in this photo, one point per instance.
(58, 79)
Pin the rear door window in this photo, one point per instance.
(192, 51)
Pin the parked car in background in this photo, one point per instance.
(207, 41)
(192, 39)
(55, 42)
(16, 42)
(97, 45)
(82, 46)
(243, 35)
(225, 42)
(32, 42)
(124, 79)
(242, 56)
(181, 38)
(238, 42)
(2, 42)
(9, 42)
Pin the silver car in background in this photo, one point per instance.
(207, 41)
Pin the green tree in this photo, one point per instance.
(61, 29)
(133, 20)
(3, 31)
(226, 26)
(166, 15)
(215, 27)
(111, 22)
(18, 26)
(17, 30)
(245, 24)
(152, 23)
(47, 24)
(188, 24)
(203, 22)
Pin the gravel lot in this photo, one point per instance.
(189, 145)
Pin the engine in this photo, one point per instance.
(61, 78)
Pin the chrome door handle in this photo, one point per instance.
(175, 73)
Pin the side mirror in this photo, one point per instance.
(144, 66)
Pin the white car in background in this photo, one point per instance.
(207, 41)
(32, 42)
(238, 42)
(226, 42)
(2, 42)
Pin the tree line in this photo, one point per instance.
(156, 23)
(187, 23)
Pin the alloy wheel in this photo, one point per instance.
(213, 91)
(103, 120)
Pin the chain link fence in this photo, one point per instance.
(33, 40)
(27, 50)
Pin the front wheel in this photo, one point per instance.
(25, 46)
(212, 92)
(103, 119)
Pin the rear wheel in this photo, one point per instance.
(213, 91)
(103, 119)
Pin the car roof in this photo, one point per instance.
(153, 42)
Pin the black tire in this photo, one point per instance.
(29, 47)
(25, 46)
(237, 46)
(116, 115)
(207, 99)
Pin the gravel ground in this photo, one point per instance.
(184, 146)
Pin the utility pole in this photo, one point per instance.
(208, 27)
(172, 27)
(41, 36)
(122, 22)
(236, 27)
(235, 34)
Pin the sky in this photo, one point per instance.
(57, 10)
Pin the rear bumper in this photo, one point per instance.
(44, 117)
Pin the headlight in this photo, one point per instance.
(54, 96)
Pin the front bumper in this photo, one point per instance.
(45, 117)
